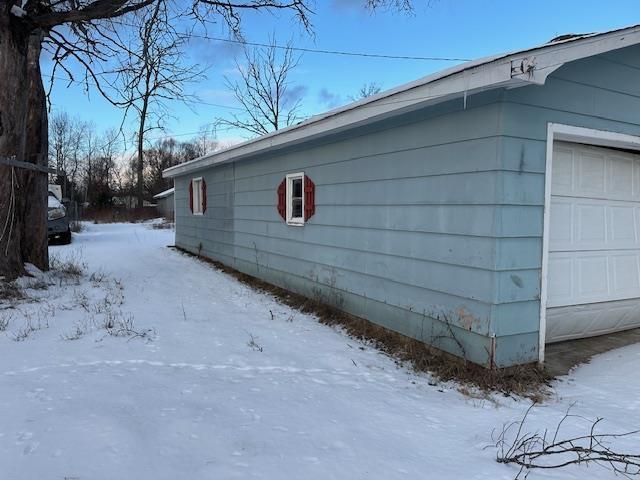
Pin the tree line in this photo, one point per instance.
(97, 36)
(97, 170)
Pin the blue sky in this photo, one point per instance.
(441, 28)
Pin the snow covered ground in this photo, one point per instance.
(224, 383)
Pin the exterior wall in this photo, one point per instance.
(601, 92)
(165, 206)
(404, 230)
(430, 225)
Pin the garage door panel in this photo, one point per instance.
(576, 278)
(579, 321)
(621, 176)
(560, 282)
(586, 224)
(561, 223)
(594, 245)
(592, 279)
(562, 171)
(622, 226)
(591, 224)
(625, 277)
(583, 171)
(591, 174)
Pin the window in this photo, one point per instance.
(198, 200)
(295, 199)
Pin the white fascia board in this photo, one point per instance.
(543, 61)
(166, 193)
(531, 66)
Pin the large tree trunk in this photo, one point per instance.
(23, 134)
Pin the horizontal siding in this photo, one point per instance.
(449, 220)
(403, 320)
(436, 213)
(602, 92)
(404, 232)
(211, 234)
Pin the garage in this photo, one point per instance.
(593, 257)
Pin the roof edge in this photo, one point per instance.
(524, 67)
(165, 193)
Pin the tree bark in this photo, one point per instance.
(140, 164)
(23, 134)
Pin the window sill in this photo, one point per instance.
(295, 223)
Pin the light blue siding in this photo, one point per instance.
(429, 224)
(601, 92)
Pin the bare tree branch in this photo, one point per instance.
(264, 90)
(542, 451)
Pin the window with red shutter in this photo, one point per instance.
(296, 199)
(204, 196)
(309, 198)
(282, 199)
(197, 196)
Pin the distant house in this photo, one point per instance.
(165, 203)
(129, 201)
(488, 209)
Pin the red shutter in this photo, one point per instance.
(282, 199)
(309, 198)
(191, 196)
(204, 196)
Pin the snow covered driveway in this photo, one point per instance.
(221, 390)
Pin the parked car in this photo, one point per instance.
(58, 224)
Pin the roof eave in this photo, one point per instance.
(527, 67)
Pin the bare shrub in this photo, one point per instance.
(79, 330)
(119, 324)
(25, 331)
(98, 277)
(68, 267)
(11, 291)
(253, 345)
(5, 319)
(37, 284)
(34, 322)
(81, 299)
(548, 450)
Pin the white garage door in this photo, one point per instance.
(594, 247)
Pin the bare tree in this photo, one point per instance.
(66, 147)
(366, 90)
(87, 33)
(154, 74)
(264, 90)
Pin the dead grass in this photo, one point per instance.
(526, 381)
(10, 291)
(69, 265)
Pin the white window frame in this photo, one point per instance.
(294, 221)
(197, 206)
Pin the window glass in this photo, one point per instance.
(197, 196)
(296, 198)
